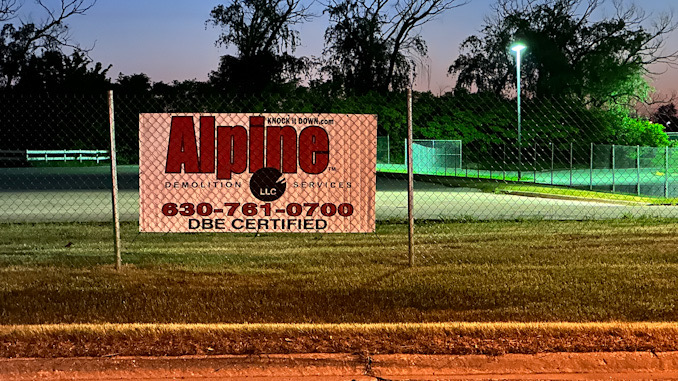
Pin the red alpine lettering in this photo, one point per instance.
(232, 151)
(283, 149)
(314, 154)
(181, 148)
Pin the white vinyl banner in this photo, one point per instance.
(257, 172)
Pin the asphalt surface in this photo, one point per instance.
(67, 178)
(434, 201)
(83, 195)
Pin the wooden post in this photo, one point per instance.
(114, 177)
(410, 180)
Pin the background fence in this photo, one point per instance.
(467, 163)
(639, 170)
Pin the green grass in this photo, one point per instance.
(622, 270)
(97, 340)
(552, 190)
(497, 182)
(462, 173)
(549, 190)
(579, 193)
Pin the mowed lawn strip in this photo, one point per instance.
(526, 271)
(369, 339)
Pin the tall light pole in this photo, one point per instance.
(518, 47)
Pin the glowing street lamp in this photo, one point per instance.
(518, 47)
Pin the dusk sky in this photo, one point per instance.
(168, 39)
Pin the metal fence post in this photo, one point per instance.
(446, 155)
(552, 156)
(591, 170)
(491, 159)
(666, 171)
(114, 177)
(520, 159)
(406, 154)
(503, 163)
(535, 163)
(410, 181)
(461, 158)
(613, 168)
(388, 149)
(571, 148)
(638, 169)
(433, 146)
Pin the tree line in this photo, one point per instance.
(580, 68)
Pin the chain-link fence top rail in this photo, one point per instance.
(566, 147)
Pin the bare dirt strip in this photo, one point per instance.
(554, 366)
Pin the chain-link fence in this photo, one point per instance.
(315, 160)
(632, 170)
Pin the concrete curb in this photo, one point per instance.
(344, 366)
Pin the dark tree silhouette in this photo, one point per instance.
(262, 33)
(8, 9)
(19, 44)
(568, 52)
(667, 115)
(372, 45)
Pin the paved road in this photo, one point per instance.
(440, 202)
(432, 201)
(67, 178)
(554, 366)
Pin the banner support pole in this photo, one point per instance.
(410, 181)
(114, 187)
